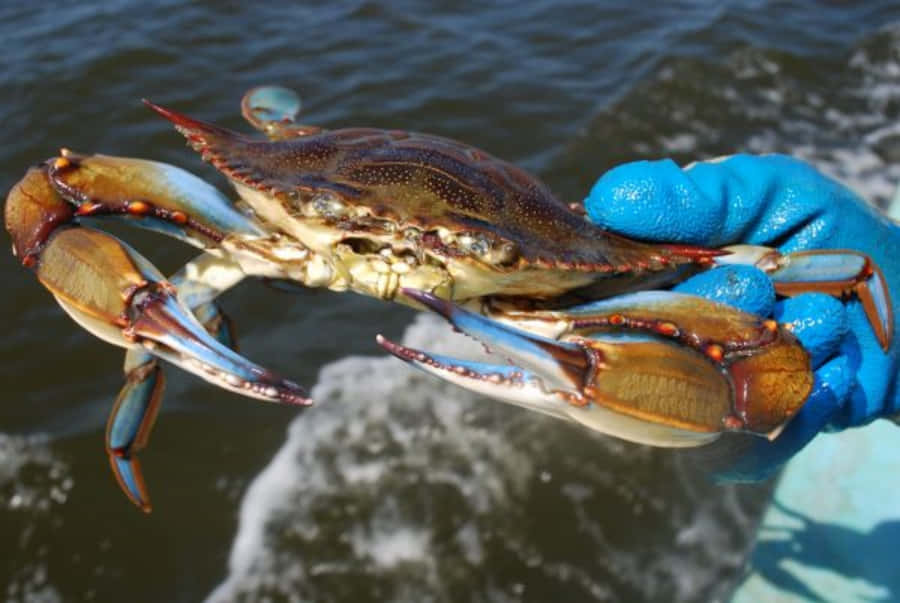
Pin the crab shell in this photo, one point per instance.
(392, 209)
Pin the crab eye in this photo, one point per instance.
(325, 205)
(506, 253)
(486, 248)
(474, 243)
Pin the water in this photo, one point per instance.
(395, 487)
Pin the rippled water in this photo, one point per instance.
(395, 487)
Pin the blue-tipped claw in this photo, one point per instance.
(503, 382)
(170, 331)
(137, 405)
(560, 364)
(657, 368)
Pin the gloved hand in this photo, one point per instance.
(784, 203)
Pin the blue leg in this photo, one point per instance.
(136, 407)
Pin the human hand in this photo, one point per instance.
(784, 203)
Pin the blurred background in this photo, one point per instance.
(395, 487)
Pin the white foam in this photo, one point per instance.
(33, 483)
(403, 483)
(381, 426)
(392, 545)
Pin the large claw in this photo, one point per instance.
(113, 292)
(163, 197)
(116, 294)
(656, 368)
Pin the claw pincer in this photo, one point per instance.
(654, 367)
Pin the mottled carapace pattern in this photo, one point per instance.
(427, 181)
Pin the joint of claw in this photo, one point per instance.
(138, 300)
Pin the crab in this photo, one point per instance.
(431, 223)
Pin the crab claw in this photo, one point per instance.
(159, 196)
(117, 295)
(626, 367)
(114, 293)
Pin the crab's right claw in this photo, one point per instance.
(116, 294)
(119, 296)
(549, 376)
(646, 367)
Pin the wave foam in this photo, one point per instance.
(399, 487)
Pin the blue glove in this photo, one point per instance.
(780, 202)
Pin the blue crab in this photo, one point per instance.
(432, 223)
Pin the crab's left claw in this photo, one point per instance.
(656, 368)
(118, 295)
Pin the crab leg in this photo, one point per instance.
(130, 422)
(273, 110)
(654, 367)
(838, 272)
